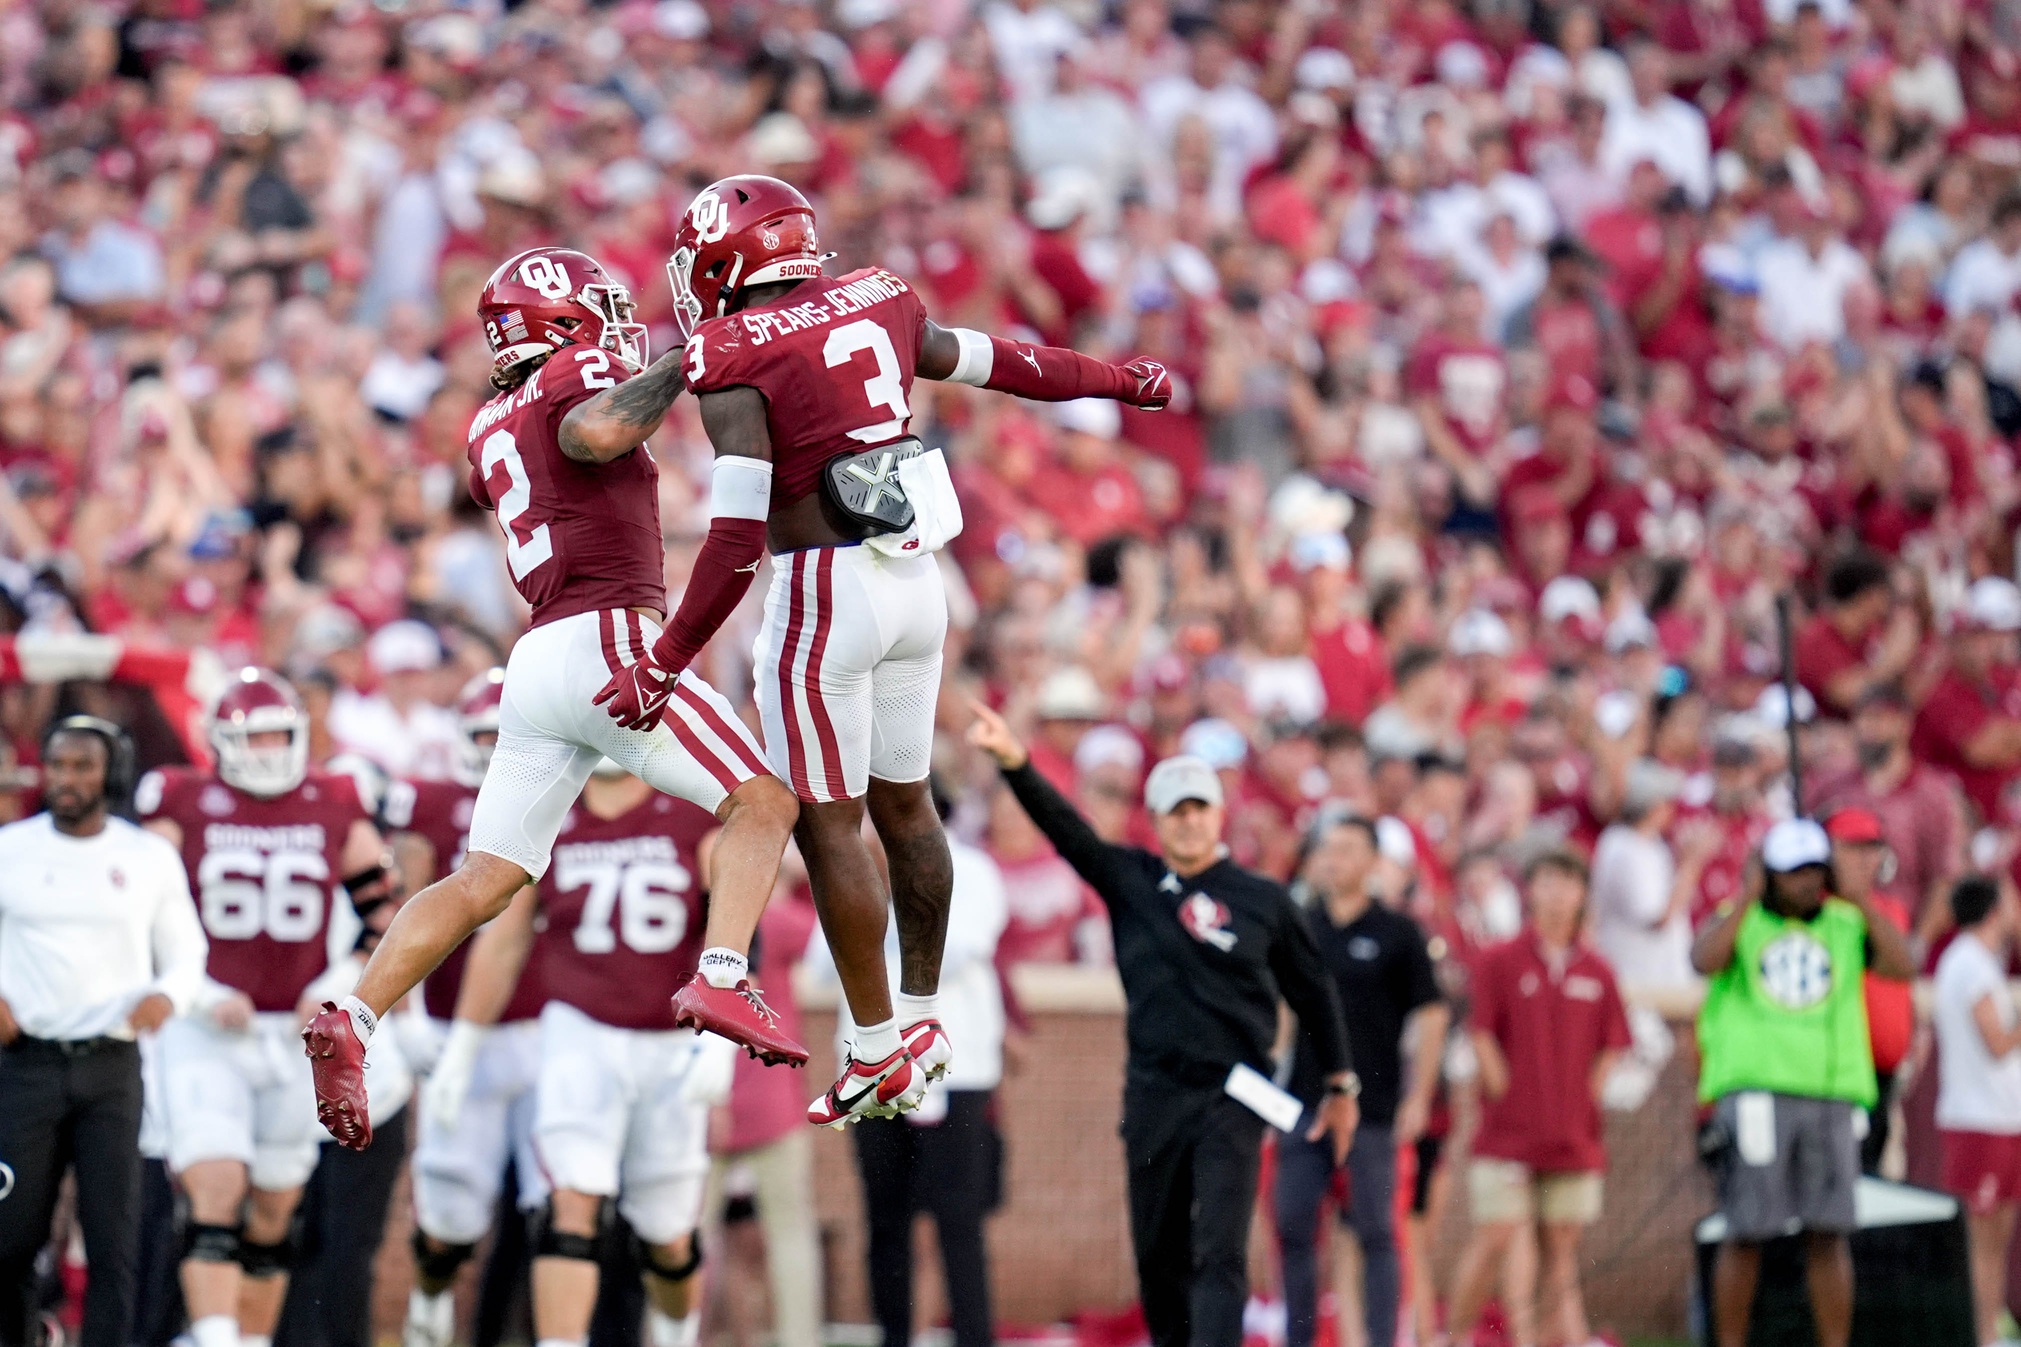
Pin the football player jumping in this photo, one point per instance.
(559, 456)
(805, 384)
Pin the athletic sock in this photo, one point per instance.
(216, 1330)
(875, 1042)
(559, 1342)
(724, 968)
(363, 1022)
(434, 1312)
(663, 1330)
(256, 1340)
(912, 1009)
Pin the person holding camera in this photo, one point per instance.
(1785, 1062)
(99, 942)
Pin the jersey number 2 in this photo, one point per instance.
(885, 389)
(538, 547)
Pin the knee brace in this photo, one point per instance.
(439, 1264)
(210, 1243)
(673, 1272)
(549, 1242)
(267, 1260)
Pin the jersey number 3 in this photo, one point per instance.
(522, 554)
(885, 389)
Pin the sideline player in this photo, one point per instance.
(623, 1099)
(559, 456)
(804, 383)
(460, 1161)
(270, 845)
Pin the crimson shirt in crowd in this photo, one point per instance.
(1920, 821)
(1552, 1021)
(1353, 669)
(1822, 654)
(1955, 711)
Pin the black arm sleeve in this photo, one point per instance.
(1308, 989)
(1103, 866)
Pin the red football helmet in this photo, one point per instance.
(548, 298)
(260, 702)
(741, 231)
(477, 713)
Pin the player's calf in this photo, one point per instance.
(567, 1243)
(670, 1270)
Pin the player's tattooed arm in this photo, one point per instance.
(618, 420)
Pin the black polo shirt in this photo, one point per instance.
(1383, 972)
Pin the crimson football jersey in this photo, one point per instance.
(438, 812)
(579, 537)
(621, 911)
(835, 361)
(266, 873)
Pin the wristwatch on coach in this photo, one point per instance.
(1348, 1084)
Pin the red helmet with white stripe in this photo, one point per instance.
(547, 298)
(740, 232)
(477, 713)
(258, 701)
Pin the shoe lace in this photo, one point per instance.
(757, 1003)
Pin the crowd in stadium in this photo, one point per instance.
(1524, 356)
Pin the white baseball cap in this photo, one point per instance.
(1090, 416)
(1071, 694)
(404, 646)
(1177, 780)
(1569, 596)
(1394, 842)
(1794, 843)
(1479, 632)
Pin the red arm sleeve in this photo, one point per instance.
(1055, 374)
(723, 571)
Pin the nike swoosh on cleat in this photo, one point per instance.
(848, 1105)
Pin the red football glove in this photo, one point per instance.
(1154, 385)
(637, 694)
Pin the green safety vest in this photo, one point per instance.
(1788, 1015)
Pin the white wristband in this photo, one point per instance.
(740, 488)
(977, 359)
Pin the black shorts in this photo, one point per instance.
(1430, 1150)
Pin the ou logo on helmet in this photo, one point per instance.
(1796, 969)
(546, 275)
(711, 216)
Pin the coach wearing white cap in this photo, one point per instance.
(1205, 949)
(1786, 1064)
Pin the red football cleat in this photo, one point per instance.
(870, 1090)
(338, 1060)
(739, 1014)
(927, 1042)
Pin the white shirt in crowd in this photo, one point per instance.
(1243, 127)
(1975, 1091)
(1028, 43)
(1803, 295)
(971, 998)
(421, 743)
(1630, 893)
(91, 926)
(1981, 277)
(1669, 133)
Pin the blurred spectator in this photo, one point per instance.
(1861, 640)
(1547, 1024)
(1382, 967)
(1641, 895)
(400, 727)
(1860, 859)
(1979, 1085)
(1971, 722)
